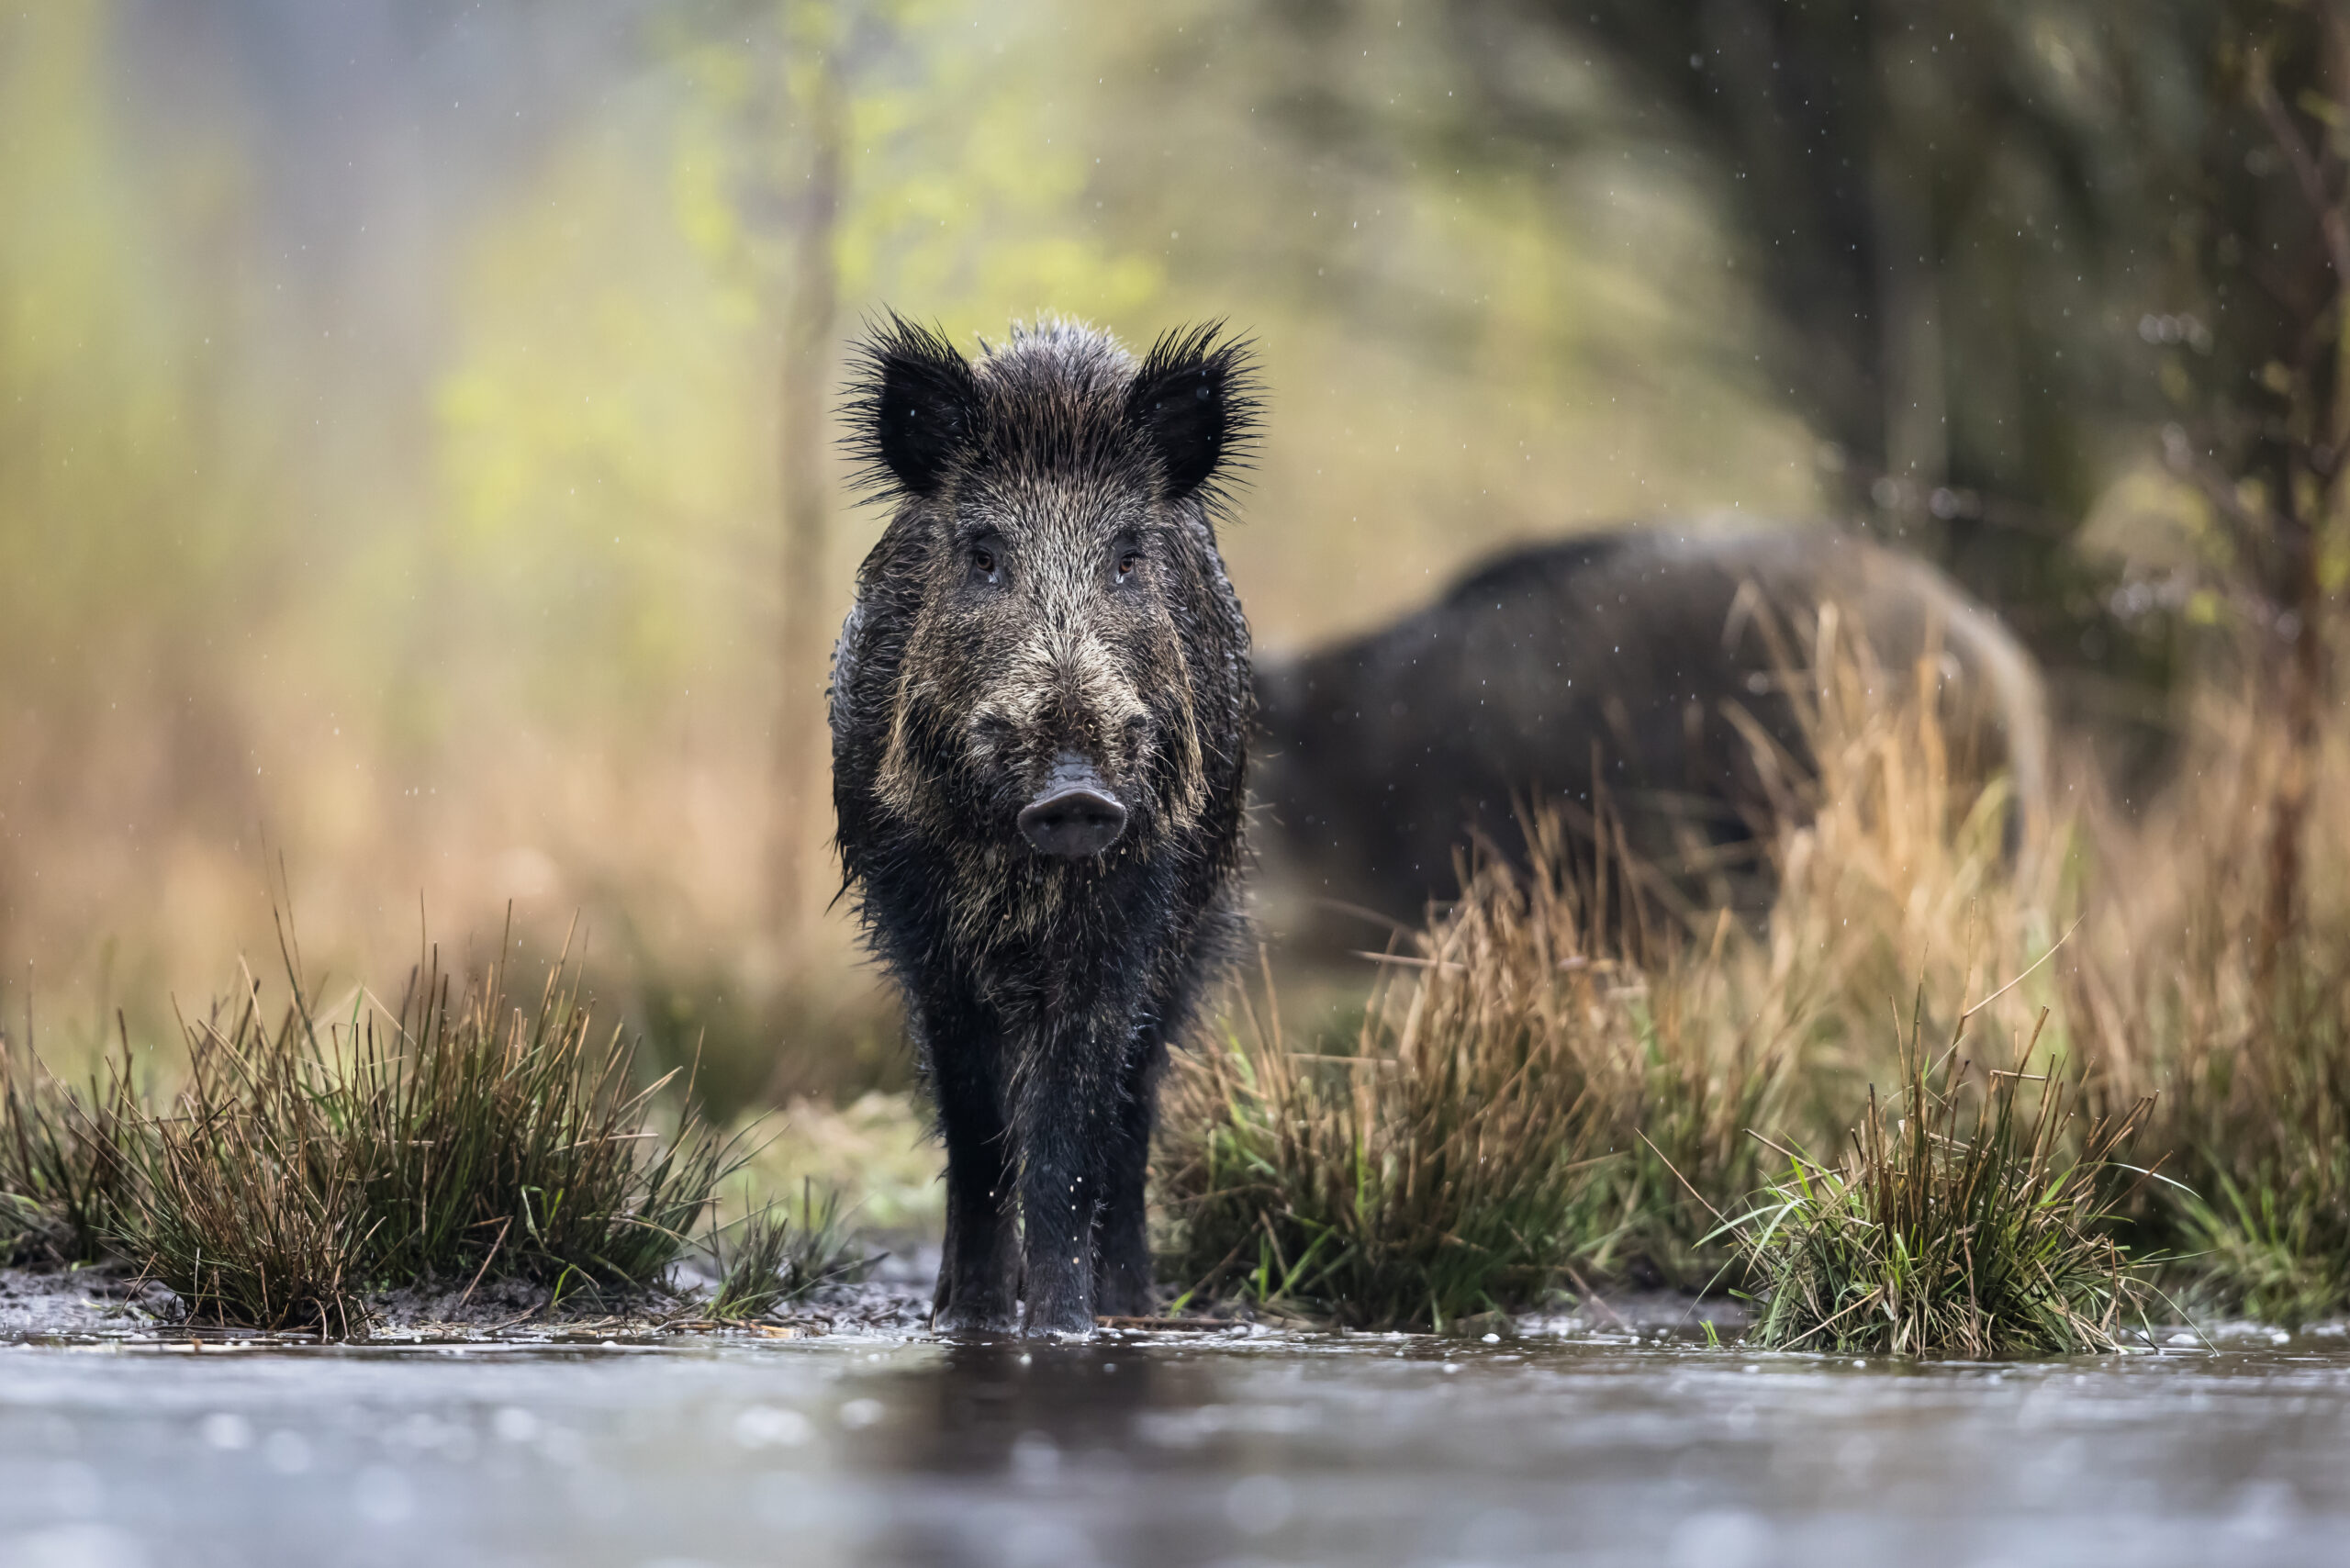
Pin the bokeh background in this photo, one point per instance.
(418, 497)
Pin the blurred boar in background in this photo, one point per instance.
(1650, 674)
(1039, 712)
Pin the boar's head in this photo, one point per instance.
(1052, 574)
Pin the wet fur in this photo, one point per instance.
(1043, 993)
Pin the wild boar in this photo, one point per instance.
(1644, 662)
(1040, 708)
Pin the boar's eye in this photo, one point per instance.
(1127, 561)
(983, 564)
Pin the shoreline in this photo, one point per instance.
(104, 1304)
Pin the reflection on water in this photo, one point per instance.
(1179, 1450)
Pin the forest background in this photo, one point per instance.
(417, 489)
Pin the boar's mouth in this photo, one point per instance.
(1075, 814)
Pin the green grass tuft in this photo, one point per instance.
(2267, 1142)
(59, 1164)
(457, 1138)
(782, 1258)
(1941, 1234)
(2272, 1254)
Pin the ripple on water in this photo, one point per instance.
(1174, 1450)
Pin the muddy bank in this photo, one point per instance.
(102, 1304)
(40, 1303)
(105, 1300)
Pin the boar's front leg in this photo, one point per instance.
(979, 1267)
(1121, 1282)
(1067, 1123)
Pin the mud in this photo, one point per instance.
(102, 1304)
(35, 1303)
(108, 1302)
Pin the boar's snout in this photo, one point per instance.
(1075, 813)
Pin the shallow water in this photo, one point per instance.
(1181, 1449)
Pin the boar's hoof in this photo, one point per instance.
(953, 1318)
(1074, 815)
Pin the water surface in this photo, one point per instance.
(1180, 1449)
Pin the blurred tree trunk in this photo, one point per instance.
(811, 312)
(2304, 484)
(2263, 275)
(1916, 446)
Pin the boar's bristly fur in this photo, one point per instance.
(1040, 704)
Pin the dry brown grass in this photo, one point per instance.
(1897, 878)
(2244, 1040)
(306, 1162)
(1436, 1165)
(1534, 1099)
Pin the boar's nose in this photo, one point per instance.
(1074, 813)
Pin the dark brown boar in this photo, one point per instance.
(1641, 663)
(1040, 706)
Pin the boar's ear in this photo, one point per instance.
(1195, 400)
(911, 406)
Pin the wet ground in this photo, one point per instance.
(1247, 1447)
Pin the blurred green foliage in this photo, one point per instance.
(392, 494)
(391, 463)
(134, 480)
